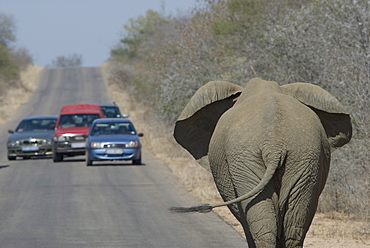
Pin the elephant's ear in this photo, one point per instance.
(195, 126)
(334, 118)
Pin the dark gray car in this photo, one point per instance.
(32, 137)
(111, 110)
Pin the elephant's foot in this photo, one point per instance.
(291, 243)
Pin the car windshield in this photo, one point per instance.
(36, 125)
(112, 128)
(111, 112)
(78, 120)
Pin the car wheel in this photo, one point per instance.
(88, 162)
(11, 158)
(57, 157)
(136, 161)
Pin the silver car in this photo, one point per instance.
(32, 137)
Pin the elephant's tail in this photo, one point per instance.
(206, 208)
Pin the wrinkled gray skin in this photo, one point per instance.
(268, 148)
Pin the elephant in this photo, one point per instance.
(268, 148)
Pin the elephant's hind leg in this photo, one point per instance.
(262, 222)
(303, 196)
(301, 208)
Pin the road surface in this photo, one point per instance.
(51, 205)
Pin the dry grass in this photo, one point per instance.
(16, 97)
(331, 230)
(328, 230)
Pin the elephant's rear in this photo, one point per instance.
(278, 132)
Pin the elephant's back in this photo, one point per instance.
(273, 116)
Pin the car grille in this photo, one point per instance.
(121, 155)
(80, 138)
(31, 141)
(39, 152)
(114, 145)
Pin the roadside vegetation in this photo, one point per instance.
(13, 60)
(73, 60)
(162, 60)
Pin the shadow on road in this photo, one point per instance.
(3, 166)
(69, 160)
(35, 158)
(99, 163)
(104, 164)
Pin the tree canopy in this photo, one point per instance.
(72, 60)
(7, 30)
(12, 59)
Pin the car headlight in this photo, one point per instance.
(60, 138)
(97, 145)
(13, 143)
(132, 144)
(46, 142)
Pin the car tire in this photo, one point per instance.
(57, 157)
(137, 161)
(88, 161)
(11, 158)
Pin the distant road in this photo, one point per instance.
(61, 205)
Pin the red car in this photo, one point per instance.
(71, 129)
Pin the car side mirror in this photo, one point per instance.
(140, 134)
(10, 131)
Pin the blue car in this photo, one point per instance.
(113, 139)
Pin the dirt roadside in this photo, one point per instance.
(327, 230)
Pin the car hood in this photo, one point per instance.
(114, 138)
(72, 130)
(34, 134)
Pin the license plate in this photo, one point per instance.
(78, 145)
(114, 151)
(30, 148)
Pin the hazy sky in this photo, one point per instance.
(52, 28)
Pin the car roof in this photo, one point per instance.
(80, 108)
(106, 104)
(41, 117)
(105, 120)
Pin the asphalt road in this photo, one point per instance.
(51, 205)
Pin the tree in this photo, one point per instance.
(8, 69)
(22, 57)
(9, 72)
(144, 33)
(7, 30)
(12, 60)
(72, 60)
